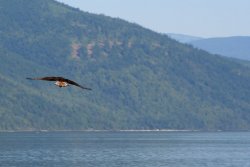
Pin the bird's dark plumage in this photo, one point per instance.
(60, 80)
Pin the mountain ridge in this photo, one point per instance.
(232, 46)
(235, 46)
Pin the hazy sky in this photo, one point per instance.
(204, 18)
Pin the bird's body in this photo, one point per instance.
(60, 81)
(61, 84)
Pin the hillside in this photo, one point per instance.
(140, 79)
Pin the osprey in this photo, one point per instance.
(60, 81)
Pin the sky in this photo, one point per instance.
(202, 18)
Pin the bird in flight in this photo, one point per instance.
(60, 81)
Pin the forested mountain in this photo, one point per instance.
(140, 79)
(235, 47)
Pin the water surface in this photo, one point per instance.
(125, 149)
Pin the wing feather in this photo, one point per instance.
(48, 78)
(76, 84)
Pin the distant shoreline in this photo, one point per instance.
(129, 130)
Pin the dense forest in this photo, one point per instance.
(140, 79)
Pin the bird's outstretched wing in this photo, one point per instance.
(76, 84)
(48, 78)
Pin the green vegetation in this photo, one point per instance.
(140, 79)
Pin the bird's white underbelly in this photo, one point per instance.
(61, 84)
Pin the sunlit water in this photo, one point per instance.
(125, 149)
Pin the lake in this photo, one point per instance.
(125, 149)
